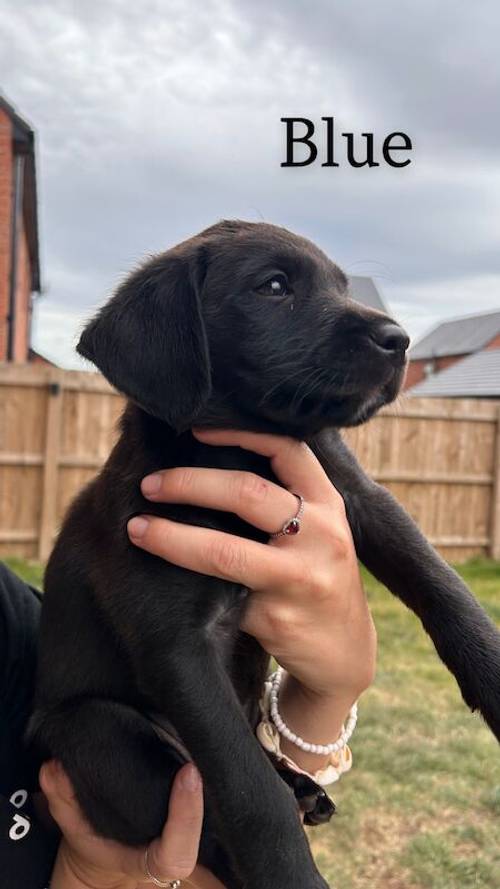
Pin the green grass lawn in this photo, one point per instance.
(31, 572)
(420, 808)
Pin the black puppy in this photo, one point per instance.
(249, 326)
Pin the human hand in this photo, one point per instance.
(308, 608)
(87, 860)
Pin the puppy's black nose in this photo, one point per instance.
(390, 337)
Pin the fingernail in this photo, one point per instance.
(137, 526)
(151, 484)
(196, 431)
(191, 778)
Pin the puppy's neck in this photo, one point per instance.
(158, 437)
(148, 443)
(219, 413)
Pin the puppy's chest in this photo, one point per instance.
(222, 622)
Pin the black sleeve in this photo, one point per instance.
(26, 849)
(19, 616)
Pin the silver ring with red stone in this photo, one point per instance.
(292, 526)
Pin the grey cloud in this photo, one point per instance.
(431, 67)
(155, 119)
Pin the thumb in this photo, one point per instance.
(173, 856)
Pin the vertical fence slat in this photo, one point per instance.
(495, 498)
(50, 467)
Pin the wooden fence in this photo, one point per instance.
(439, 457)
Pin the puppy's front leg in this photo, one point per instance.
(392, 547)
(179, 671)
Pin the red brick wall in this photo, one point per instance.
(35, 358)
(415, 373)
(23, 298)
(5, 234)
(495, 343)
(23, 271)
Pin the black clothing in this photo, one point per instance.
(27, 850)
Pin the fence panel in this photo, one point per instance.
(439, 457)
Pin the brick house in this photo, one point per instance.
(451, 341)
(19, 257)
(477, 376)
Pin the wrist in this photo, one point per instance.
(323, 712)
(316, 718)
(331, 698)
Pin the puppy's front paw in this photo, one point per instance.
(315, 805)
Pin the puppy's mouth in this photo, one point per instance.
(327, 405)
(359, 407)
(355, 411)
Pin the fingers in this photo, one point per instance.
(173, 856)
(254, 565)
(254, 499)
(292, 461)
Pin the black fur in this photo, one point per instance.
(199, 336)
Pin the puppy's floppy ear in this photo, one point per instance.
(149, 340)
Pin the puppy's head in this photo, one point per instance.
(251, 322)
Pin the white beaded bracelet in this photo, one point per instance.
(322, 749)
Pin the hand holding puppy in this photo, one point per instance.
(85, 859)
(307, 608)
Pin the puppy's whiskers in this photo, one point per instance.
(313, 385)
(282, 382)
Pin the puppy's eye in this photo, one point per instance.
(275, 286)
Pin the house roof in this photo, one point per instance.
(24, 144)
(477, 376)
(460, 336)
(33, 354)
(364, 290)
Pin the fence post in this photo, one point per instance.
(50, 467)
(495, 497)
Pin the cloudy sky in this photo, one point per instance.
(158, 117)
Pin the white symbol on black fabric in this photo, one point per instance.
(19, 798)
(20, 828)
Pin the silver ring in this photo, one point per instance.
(292, 526)
(165, 884)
